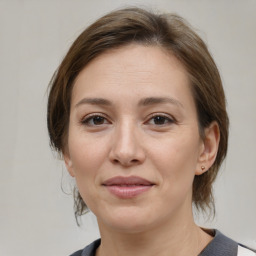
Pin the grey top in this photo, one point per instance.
(219, 246)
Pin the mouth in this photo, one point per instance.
(127, 187)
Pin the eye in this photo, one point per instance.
(94, 120)
(160, 120)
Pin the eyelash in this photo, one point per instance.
(86, 121)
(167, 118)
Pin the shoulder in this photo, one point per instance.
(77, 253)
(223, 245)
(89, 250)
(245, 251)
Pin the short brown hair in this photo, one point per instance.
(168, 31)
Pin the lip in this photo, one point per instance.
(127, 187)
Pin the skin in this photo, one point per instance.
(122, 134)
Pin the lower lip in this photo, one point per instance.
(127, 192)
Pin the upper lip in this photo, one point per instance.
(131, 180)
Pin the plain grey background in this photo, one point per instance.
(36, 217)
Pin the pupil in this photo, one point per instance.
(98, 120)
(159, 120)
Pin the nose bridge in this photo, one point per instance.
(126, 147)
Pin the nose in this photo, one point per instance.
(127, 147)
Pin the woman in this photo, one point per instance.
(138, 112)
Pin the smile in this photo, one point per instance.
(127, 187)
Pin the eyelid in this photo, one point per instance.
(170, 118)
(161, 114)
(85, 119)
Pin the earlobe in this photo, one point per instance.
(209, 148)
(201, 170)
(69, 165)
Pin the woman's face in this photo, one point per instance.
(133, 143)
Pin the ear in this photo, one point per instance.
(209, 149)
(69, 164)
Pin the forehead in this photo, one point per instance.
(130, 69)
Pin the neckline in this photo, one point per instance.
(220, 245)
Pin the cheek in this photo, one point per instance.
(85, 150)
(176, 161)
(87, 156)
(87, 159)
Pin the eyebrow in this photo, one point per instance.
(143, 102)
(159, 100)
(94, 101)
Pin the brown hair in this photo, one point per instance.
(168, 31)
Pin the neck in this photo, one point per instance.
(179, 237)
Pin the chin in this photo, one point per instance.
(127, 219)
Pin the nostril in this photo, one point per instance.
(126, 163)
